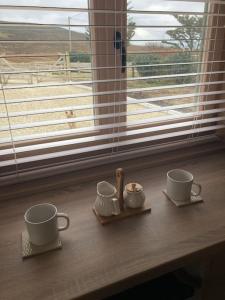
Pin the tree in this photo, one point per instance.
(131, 29)
(131, 24)
(87, 34)
(188, 36)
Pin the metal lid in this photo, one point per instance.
(134, 187)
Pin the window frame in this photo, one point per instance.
(101, 4)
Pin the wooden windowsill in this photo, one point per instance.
(106, 169)
(97, 261)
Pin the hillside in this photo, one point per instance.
(38, 33)
(43, 40)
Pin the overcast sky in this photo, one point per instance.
(52, 17)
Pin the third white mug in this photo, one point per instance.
(179, 185)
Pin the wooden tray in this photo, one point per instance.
(128, 212)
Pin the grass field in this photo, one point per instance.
(25, 93)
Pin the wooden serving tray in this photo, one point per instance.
(128, 212)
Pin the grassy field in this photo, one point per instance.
(24, 93)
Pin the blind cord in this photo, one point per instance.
(10, 128)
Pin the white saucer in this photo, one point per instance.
(193, 200)
(29, 249)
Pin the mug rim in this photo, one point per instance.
(180, 181)
(41, 204)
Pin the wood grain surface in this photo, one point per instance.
(97, 261)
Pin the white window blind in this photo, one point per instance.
(87, 81)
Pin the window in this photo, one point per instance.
(85, 81)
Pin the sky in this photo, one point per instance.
(53, 17)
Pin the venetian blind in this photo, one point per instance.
(90, 81)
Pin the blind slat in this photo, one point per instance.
(80, 95)
(108, 11)
(128, 79)
(35, 158)
(175, 64)
(110, 136)
(118, 103)
(86, 118)
(93, 129)
(46, 25)
(153, 99)
(10, 56)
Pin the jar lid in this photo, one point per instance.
(134, 187)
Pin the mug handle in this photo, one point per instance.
(116, 206)
(65, 216)
(199, 189)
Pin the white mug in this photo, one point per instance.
(42, 223)
(179, 185)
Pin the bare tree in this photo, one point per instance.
(131, 24)
(131, 29)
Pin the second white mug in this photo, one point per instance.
(42, 223)
(179, 185)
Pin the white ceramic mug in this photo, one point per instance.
(42, 223)
(179, 185)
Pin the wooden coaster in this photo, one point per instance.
(29, 250)
(128, 212)
(193, 200)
